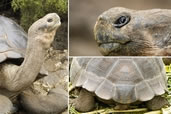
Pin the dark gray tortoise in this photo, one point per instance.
(16, 75)
(122, 31)
(121, 81)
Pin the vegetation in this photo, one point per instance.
(168, 73)
(31, 10)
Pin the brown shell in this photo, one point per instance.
(125, 80)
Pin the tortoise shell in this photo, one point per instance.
(125, 80)
(13, 39)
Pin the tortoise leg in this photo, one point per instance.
(56, 101)
(6, 105)
(121, 106)
(85, 101)
(156, 103)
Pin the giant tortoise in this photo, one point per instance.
(122, 31)
(120, 81)
(17, 74)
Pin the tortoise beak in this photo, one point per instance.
(57, 22)
(53, 21)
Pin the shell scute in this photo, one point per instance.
(125, 80)
(13, 39)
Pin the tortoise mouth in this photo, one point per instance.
(114, 43)
(56, 26)
(107, 48)
(111, 47)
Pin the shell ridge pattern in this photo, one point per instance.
(13, 39)
(136, 94)
(4, 37)
(113, 85)
(89, 81)
(141, 75)
(150, 89)
(12, 48)
(114, 91)
(124, 80)
(74, 73)
(127, 97)
(10, 44)
(75, 78)
(160, 89)
(157, 77)
(112, 68)
(162, 73)
(104, 90)
(144, 93)
(81, 75)
(93, 80)
(146, 83)
(99, 90)
(117, 89)
(94, 83)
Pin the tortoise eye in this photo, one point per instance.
(121, 21)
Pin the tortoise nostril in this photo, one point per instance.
(101, 18)
(50, 20)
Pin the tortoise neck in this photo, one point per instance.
(20, 77)
(34, 58)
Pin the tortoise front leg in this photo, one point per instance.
(85, 101)
(157, 103)
(56, 101)
(6, 105)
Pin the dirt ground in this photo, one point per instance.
(83, 15)
(56, 65)
(56, 68)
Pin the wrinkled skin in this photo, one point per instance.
(141, 33)
(16, 78)
(54, 102)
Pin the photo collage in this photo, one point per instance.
(85, 57)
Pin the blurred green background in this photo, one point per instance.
(25, 12)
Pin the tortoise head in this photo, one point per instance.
(121, 31)
(45, 28)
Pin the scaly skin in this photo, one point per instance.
(143, 33)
